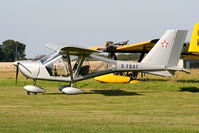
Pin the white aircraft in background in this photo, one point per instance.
(69, 63)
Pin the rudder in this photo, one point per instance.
(167, 50)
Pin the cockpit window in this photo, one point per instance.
(48, 57)
(58, 68)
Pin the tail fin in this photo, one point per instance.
(167, 50)
(194, 42)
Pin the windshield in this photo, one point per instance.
(49, 57)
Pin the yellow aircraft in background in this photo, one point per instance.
(190, 51)
(194, 43)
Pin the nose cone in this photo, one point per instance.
(29, 68)
(16, 63)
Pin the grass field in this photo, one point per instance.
(154, 106)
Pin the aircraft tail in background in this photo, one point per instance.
(194, 42)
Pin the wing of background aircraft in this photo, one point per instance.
(138, 47)
(131, 48)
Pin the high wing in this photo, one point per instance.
(71, 50)
(131, 48)
(74, 50)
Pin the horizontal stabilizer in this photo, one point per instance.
(186, 71)
(179, 69)
(161, 73)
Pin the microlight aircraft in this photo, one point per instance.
(69, 63)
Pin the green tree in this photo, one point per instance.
(1, 53)
(8, 49)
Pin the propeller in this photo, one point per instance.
(16, 63)
(17, 73)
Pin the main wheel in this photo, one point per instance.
(31, 93)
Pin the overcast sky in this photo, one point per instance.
(91, 22)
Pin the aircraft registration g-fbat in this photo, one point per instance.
(69, 63)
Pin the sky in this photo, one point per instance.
(87, 23)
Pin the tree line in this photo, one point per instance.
(10, 50)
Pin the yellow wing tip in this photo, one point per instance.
(96, 48)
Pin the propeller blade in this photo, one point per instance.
(16, 63)
(17, 73)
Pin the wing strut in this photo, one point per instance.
(141, 56)
(70, 68)
(135, 74)
(78, 65)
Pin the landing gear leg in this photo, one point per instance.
(134, 75)
(142, 76)
(35, 82)
(30, 92)
(72, 84)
